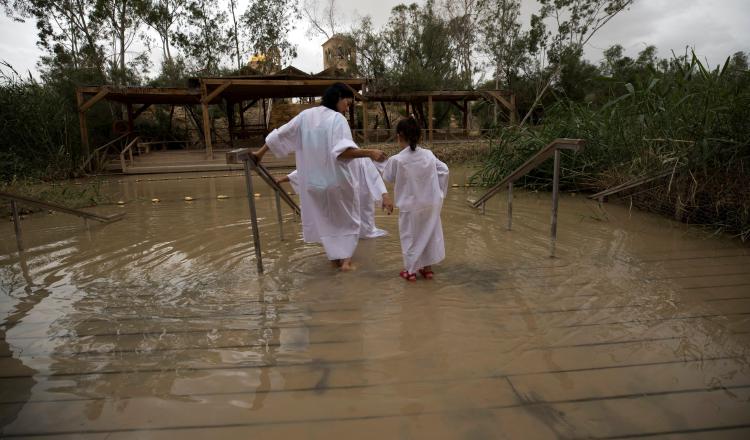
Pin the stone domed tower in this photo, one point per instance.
(339, 54)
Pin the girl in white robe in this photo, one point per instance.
(372, 192)
(420, 185)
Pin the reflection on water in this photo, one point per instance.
(159, 326)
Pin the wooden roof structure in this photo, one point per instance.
(290, 82)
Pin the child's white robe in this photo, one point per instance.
(328, 187)
(420, 185)
(371, 190)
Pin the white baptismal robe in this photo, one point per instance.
(371, 190)
(420, 185)
(327, 187)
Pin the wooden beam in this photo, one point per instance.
(430, 116)
(145, 107)
(104, 91)
(215, 92)
(230, 121)
(283, 82)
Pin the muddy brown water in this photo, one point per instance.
(158, 326)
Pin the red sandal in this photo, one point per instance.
(408, 276)
(427, 274)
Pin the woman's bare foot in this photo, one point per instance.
(336, 264)
(346, 265)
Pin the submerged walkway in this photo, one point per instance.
(158, 328)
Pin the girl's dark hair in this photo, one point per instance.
(409, 129)
(334, 94)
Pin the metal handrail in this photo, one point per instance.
(15, 199)
(129, 149)
(552, 149)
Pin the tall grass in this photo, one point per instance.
(689, 119)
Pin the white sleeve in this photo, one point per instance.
(442, 172)
(294, 181)
(285, 139)
(389, 173)
(342, 136)
(375, 183)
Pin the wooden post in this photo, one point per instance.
(514, 110)
(430, 129)
(352, 121)
(465, 121)
(555, 190)
(385, 114)
(279, 217)
(131, 117)
(207, 132)
(83, 125)
(510, 205)
(230, 121)
(253, 214)
(364, 121)
(17, 224)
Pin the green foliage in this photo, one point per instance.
(687, 118)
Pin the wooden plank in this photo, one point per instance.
(530, 164)
(214, 93)
(385, 115)
(55, 207)
(98, 97)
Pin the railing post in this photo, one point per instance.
(279, 217)
(17, 224)
(253, 214)
(555, 190)
(510, 205)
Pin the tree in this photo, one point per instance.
(266, 25)
(162, 16)
(372, 54)
(463, 19)
(576, 23)
(122, 20)
(203, 36)
(502, 41)
(322, 17)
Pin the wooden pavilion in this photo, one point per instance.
(239, 93)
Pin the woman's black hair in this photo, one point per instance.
(409, 129)
(334, 94)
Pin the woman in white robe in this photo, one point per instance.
(372, 192)
(420, 185)
(322, 143)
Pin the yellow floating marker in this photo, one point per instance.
(455, 185)
(257, 194)
(188, 199)
(155, 200)
(222, 197)
(120, 202)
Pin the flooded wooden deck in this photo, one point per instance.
(158, 327)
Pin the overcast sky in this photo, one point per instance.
(716, 28)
